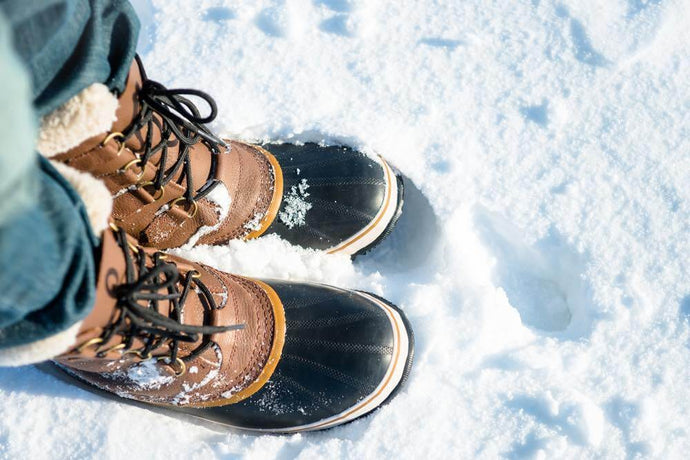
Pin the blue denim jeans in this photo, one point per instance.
(47, 249)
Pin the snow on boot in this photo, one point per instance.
(251, 354)
(175, 183)
(336, 199)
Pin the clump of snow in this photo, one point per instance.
(124, 190)
(542, 255)
(162, 210)
(295, 206)
(190, 389)
(270, 257)
(255, 222)
(147, 375)
(220, 198)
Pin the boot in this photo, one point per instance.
(175, 183)
(259, 355)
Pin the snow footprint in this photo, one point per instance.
(293, 18)
(582, 46)
(543, 281)
(349, 17)
(572, 415)
(218, 14)
(282, 18)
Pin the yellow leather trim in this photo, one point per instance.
(273, 356)
(272, 211)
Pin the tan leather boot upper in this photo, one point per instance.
(140, 341)
(163, 199)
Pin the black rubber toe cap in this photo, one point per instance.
(330, 193)
(338, 350)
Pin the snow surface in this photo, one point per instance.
(543, 254)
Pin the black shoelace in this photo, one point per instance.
(181, 119)
(150, 286)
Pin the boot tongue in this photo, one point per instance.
(127, 111)
(128, 103)
(111, 273)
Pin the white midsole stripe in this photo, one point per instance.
(390, 381)
(378, 225)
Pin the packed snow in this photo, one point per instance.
(543, 254)
(220, 199)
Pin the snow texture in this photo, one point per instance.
(294, 212)
(542, 256)
(255, 222)
(147, 375)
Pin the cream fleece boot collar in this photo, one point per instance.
(41, 350)
(85, 115)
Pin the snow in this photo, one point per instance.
(294, 211)
(219, 197)
(146, 375)
(542, 256)
(255, 222)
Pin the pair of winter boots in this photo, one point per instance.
(255, 354)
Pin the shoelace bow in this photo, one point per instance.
(145, 285)
(180, 118)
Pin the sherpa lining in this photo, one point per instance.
(85, 115)
(40, 350)
(94, 194)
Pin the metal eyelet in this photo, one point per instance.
(112, 136)
(159, 192)
(102, 353)
(138, 353)
(88, 343)
(195, 206)
(136, 161)
(181, 365)
(115, 228)
(195, 274)
(119, 346)
(133, 247)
